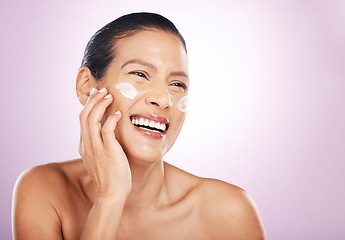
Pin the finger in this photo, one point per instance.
(84, 117)
(93, 90)
(94, 98)
(108, 129)
(95, 118)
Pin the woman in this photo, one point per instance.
(133, 83)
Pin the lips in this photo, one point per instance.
(150, 125)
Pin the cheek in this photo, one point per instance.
(123, 94)
(127, 90)
(182, 104)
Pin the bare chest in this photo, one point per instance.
(170, 226)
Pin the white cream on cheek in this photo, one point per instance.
(127, 90)
(182, 104)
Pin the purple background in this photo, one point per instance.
(267, 100)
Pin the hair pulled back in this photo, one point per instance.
(100, 50)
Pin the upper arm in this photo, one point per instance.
(33, 213)
(245, 218)
(232, 214)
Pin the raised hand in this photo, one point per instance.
(103, 156)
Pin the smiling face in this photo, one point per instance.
(148, 79)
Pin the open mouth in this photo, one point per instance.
(157, 125)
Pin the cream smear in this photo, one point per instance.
(127, 90)
(182, 104)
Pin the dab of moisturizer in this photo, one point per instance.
(182, 104)
(127, 90)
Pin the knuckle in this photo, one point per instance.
(91, 120)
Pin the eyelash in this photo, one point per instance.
(143, 75)
(180, 84)
(139, 74)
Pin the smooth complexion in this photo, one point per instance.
(156, 65)
(128, 91)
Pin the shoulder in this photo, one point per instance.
(48, 180)
(36, 194)
(224, 211)
(42, 184)
(42, 177)
(228, 211)
(32, 181)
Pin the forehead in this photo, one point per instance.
(159, 48)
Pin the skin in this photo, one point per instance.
(121, 188)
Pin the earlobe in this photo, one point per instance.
(85, 82)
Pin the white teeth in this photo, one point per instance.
(154, 130)
(158, 125)
(141, 121)
(149, 123)
(152, 124)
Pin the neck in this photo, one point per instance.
(148, 187)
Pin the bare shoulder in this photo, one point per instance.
(48, 177)
(223, 210)
(229, 212)
(35, 198)
(34, 176)
(35, 184)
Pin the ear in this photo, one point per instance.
(85, 82)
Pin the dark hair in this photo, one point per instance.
(100, 50)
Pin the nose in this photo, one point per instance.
(159, 96)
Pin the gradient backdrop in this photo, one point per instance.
(267, 100)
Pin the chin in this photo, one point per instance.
(143, 154)
(142, 144)
(140, 150)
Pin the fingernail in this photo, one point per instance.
(117, 112)
(102, 90)
(108, 96)
(93, 90)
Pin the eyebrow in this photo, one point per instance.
(141, 62)
(180, 74)
(150, 65)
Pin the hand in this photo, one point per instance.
(103, 156)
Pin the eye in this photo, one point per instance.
(139, 74)
(179, 86)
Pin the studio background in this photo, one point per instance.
(266, 104)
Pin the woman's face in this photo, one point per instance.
(148, 80)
